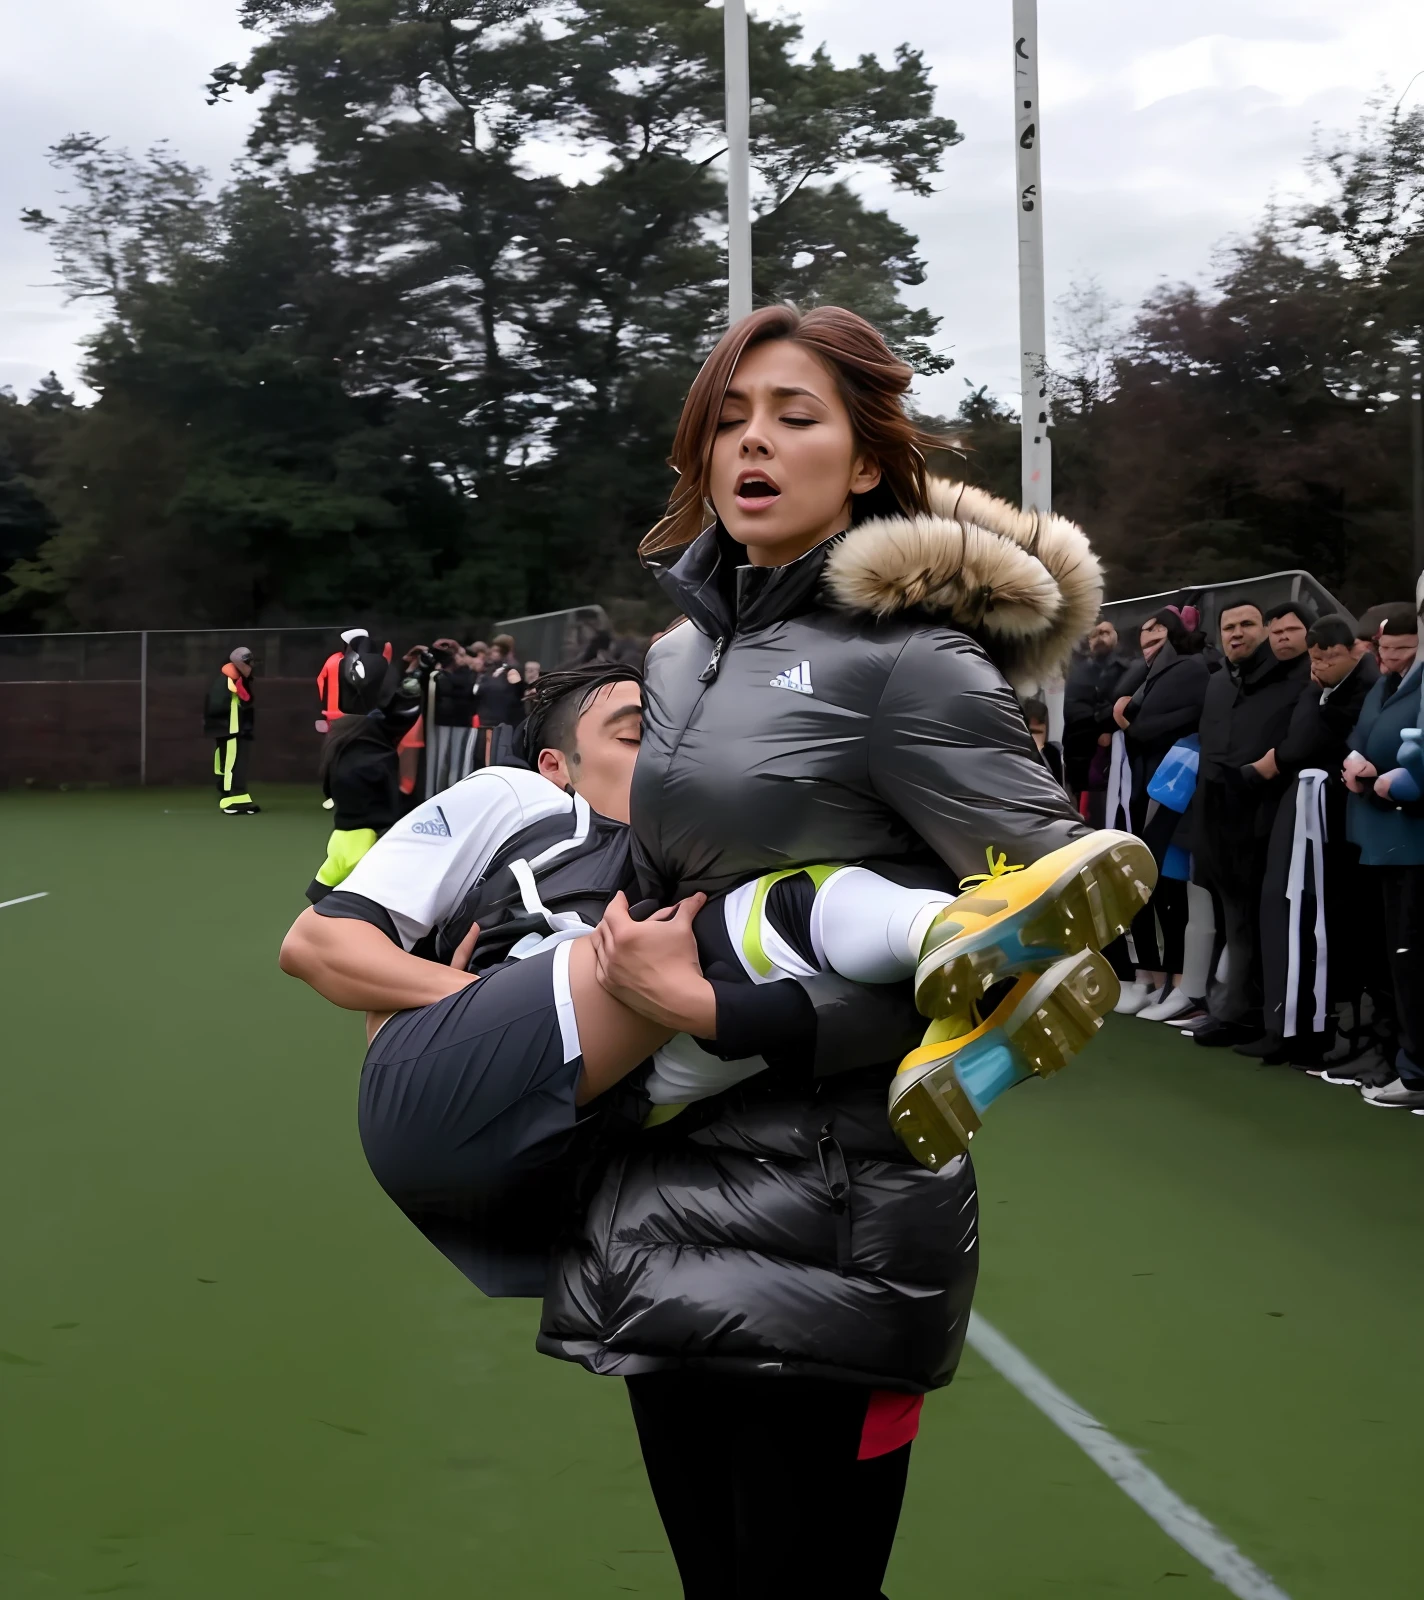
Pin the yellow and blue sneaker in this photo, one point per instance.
(1015, 919)
(942, 1089)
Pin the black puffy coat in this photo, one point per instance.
(1247, 711)
(830, 710)
(1167, 707)
(454, 697)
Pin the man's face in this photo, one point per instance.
(477, 661)
(601, 767)
(1397, 651)
(1287, 636)
(1330, 664)
(1102, 639)
(1241, 631)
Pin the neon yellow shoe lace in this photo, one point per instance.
(998, 868)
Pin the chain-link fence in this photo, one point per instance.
(127, 708)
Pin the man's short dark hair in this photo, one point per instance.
(1035, 710)
(1326, 632)
(559, 699)
(1236, 605)
(1403, 620)
(1288, 608)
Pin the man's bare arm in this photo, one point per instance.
(355, 966)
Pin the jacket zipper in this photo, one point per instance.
(709, 672)
(836, 1176)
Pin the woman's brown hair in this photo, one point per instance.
(872, 384)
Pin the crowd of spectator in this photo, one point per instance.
(1275, 771)
(477, 698)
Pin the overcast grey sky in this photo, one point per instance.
(1165, 128)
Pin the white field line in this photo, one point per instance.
(1172, 1514)
(23, 898)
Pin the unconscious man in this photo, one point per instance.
(488, 935)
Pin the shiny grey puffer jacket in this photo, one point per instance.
(835, 709)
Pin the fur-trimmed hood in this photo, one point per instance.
(1028, 586)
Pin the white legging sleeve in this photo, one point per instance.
(869, 929)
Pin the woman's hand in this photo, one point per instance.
(652, 966)
(1120, 712)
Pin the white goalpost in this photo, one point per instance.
(739, 200)
(1033, 333)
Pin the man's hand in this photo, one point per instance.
(1120, 712)
(652, 966)
(1266, 767)
(1105, 741)
(1356, 768)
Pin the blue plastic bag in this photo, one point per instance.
(1175, 781)
(1177, 863)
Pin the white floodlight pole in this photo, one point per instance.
(739, 197)
(1033, 321)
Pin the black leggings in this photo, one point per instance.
(1168, 907)
(759, 1488)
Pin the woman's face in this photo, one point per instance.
(784, 461)
(1152, 638)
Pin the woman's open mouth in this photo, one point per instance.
(756, 491)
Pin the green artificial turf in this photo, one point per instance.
(229, 1368)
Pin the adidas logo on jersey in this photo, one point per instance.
(434, 827)
(797, 678)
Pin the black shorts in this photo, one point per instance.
(469, 1122)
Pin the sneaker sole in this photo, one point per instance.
(936, 1107)
(1093, 900)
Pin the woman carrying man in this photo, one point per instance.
(776, 1279)
(782, 1269)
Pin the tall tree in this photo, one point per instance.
(229, 470)
(536, 189)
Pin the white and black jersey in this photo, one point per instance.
(504, 848)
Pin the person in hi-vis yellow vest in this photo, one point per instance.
(228, 717)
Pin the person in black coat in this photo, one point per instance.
(450, 730)
(1309, 759)
(499, 706)
(360, 771)
(1165, 708)
(775, 1275)
(1089, 694)
(1035, 710)
(1246, 713)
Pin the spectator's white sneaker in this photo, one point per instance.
(1395, 1097)
(1176, 1003)
(1134, 996)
